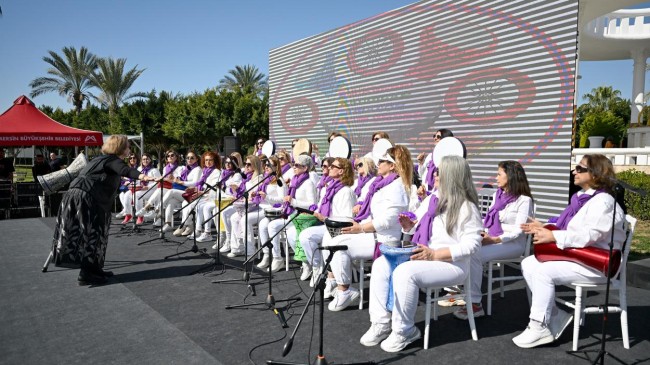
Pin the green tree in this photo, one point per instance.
(114, 83)
(69, 75)
(246, 79)
(604, 114)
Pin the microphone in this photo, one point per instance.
(303, 210)
(243, 174)
(278, 181)
(334, 248)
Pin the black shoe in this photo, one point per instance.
(107, 274)
(89, 278)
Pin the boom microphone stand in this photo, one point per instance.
(270, 300)
(161, 234)
(320, 288)
(131, 228)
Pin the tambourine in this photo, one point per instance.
(268, 148)
(273, 213)
(340, 147)
(335, 224)
(303, 145)
(448, 146)
(379, 149)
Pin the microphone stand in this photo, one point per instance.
(128, 230)
(320, 288)
(270, 300)
(247, 274)
(161, 233)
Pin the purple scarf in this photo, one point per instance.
(145, 170)
(378, 184)
(187, 170)
(361, 182)
(285, 168)
(331, 190)
(242, 187)
(491, 221)
(262, 187)
(431, 170)
(169, 168)
(323, 182)
(574, 206)
(204, 176)
(293, 187)
(423, 230)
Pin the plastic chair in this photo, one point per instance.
(435, 298)
(501, 264)
(618, 284)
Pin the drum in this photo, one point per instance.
(395, 256)
(379, 149)
(268, 148)
(340, 147)
(224, 202)
(303, 145)
(449, 146)
(273, 213)
(334, 225)
(137, 188)
(301, 222)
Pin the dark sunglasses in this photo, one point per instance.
(191, 157)
(360, 165)
(437, 136)
(581, 169)
(269, 165)
(171, 155)
(335, 167)
(325, 166)
(260, 142)
(248, 164)
(376, 139)
(298, 166)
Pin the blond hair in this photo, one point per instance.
(115, 145)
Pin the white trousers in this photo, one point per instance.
(487, 253)
(542, 277)
(272, 228)
(153, 199)
(408, 278)
(310, 239)
(360, 247)
(173, 200)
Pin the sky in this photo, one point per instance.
(188, 46)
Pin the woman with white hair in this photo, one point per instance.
(456, 235)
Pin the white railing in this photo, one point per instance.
(618, 156)
(638, 137)
(621, 24)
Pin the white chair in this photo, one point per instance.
(362, 275)
(501, 264)
(432, 295)
(618, 284)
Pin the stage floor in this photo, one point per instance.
(154, 312)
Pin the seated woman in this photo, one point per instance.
(258, 146)
(325, 176)
(388, 196)
(252, 167)
(143, 187)
(366, 172)
(230, 175)
(170, 172)
(285, 165)
(337, 201)
(455, 235)
(205, 196)
(126, 194)
(586, 222)
(301, 193)
(426, 165)
(503, 237)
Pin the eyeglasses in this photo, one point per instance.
(260, 142)
(581, 169)
(325, 166)
(298, 166)
(360, 165)
(171, 155)
(335, 167)
(376, 139)
(437, 136)
(248, 164)
(143, 159)
(133, 158)
(283, 158)
(269, 165)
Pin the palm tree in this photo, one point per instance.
(114, 83)
(247, 79)
(69, 75)
(603, 98)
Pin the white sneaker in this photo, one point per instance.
(266, 261)
(191, 236)
(305, 272)
(451, 301)
(157, 222)
(532, 338)
(277, 264)
(235, 254)
(461, 313)
(330, 288)
(375, 334)
(141, 212)
(225, 248)
(396, 342)
(314, 276)
(204, 237)
(187, 231)
(167, 228)
(120, 215)
(179, 231)
(149, 214)
(343, 299)
(559, 323)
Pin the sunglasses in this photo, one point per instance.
(437, 136)
(582, 169)
(171, 155)
(298, 166)
(326, 166)
(335, 167)
(133, 158)
(376, 139)
(269, 165)
(260, 142)
(191, 157)
(248, 164)
(359, 165)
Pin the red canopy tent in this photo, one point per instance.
(24, 125)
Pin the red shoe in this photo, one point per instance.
(140, 220)
(127, 219)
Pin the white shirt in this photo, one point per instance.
(193, 177)
(305, 195)
(234, 179)
(592, 225)
(212, 179)
(153, 172)
(364, 189)
(466, 236)
(342, 202)
(512, 216)
(385, 206)
(423, 170)
(274, 195)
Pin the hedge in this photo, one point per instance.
(637, 205)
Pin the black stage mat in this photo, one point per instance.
(153, 311)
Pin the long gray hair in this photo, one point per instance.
(456, 187)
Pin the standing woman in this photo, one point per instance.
(81, 233)
(455, 235)
(125, 191)
(388, 196)
(426, 166)
(503, 238)
(586, 222)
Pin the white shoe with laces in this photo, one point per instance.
(266, 261)
(314, 276)
(330, 288)
(157, 222)
(375, 334)
(277, 264)
(204, 237)
(396, 342)
(343, 299)
(532, 337)
(305, 272)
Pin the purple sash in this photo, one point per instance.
(491, 221)
(423, 230)
(379, 183)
